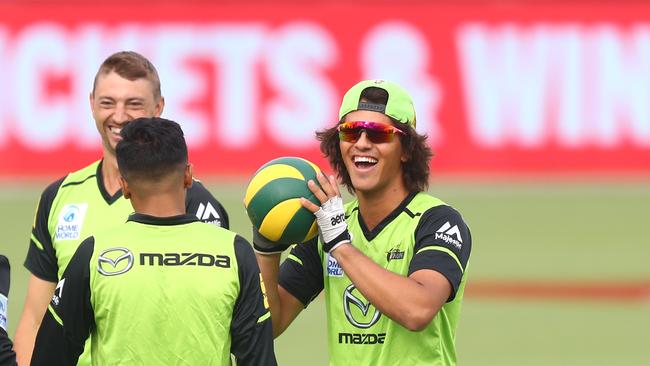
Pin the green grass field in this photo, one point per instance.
(558, 232)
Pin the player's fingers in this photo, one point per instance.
(326, 185)
(334, 184)
(308, 205)
(317, 191)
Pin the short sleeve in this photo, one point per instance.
(41, 257)
(301, 274)
(443, 243)
(202, 204)
(251, 328)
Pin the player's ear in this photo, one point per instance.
(187, 179)
(160, 105)
(126, 192)
(406, 152)
(90, 100)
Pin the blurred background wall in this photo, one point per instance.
(501, 87)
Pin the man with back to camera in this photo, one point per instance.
(162, 288)
(393, 261)
(7, 355)
(126, 87)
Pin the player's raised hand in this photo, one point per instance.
(330, 216)
(326, 188)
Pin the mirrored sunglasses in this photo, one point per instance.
(375, 131)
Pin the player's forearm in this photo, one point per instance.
(53, 347)
(283, 305)
(39, 294)
(402, 299)
(25, 337)
(270, 267)
(27, 329)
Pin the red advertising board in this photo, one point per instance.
(500, 89)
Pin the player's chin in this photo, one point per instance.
(362, 184)
(110, 144)
(114, 141)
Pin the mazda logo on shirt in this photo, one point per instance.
(115, 261)
(357, 309)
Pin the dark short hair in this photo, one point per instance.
(151, 148)
(415, 169)
(132, 66)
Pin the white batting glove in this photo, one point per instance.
(331, 222)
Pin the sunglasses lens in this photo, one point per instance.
(376, 132)
(380, 135)
(349, 134)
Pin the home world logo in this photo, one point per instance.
(70, 221)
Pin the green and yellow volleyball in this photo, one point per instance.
(272, 200)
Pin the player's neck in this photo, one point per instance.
(110, 174)
(159, 205)
(376, 206)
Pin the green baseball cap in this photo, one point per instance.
(399, 105)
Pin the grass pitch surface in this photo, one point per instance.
(557, 233)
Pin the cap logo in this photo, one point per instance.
(381, 108)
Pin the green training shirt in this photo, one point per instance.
(77, 206)
(421, 233)
(159, 291)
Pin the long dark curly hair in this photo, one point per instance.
(415, 146)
